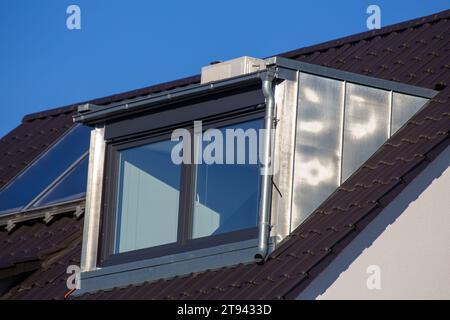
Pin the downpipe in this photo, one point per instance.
(266, 169)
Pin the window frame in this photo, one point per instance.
(185, 243)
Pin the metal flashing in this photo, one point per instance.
(166, 97)
(290, 64)
(168, 266)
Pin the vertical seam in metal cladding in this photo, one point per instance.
(341, 156)
(297, 105)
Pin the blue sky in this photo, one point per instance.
(124, 45)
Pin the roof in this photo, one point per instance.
(414, 52)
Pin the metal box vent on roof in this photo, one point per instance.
(231, 68)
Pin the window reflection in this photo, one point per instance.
(315, 172)
(312, 126)
(226, 196)
(318, 142)
(311, 95)
(148, 197)
(366, 125)
(362, 129)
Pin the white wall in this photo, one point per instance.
(409, 242)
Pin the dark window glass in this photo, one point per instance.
(34, 180)
(71, 187)
(226, 197)
(148, 197)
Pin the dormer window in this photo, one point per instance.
(157, 206)
(150, 217)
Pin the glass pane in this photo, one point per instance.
(45, 170)
(318, 143)
(71, 187)
(403, 108)
(227, 194)
(366, 125)
(148, 197)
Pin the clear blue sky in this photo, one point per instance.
(124, 45)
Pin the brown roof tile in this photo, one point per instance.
(55, 246)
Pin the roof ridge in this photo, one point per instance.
(367, 34)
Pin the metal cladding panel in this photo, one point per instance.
(286, 101)
(318, 143)
(366, 125)
(403, 108)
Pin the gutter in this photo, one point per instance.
(91, 114)
(266, 168)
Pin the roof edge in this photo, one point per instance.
(49, 113)
(367, 34)
(114, 98)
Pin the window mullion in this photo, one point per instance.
(187, 197)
